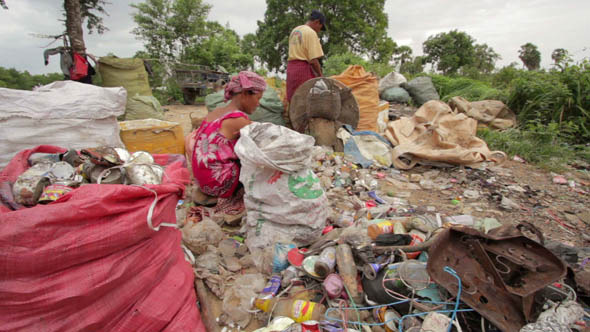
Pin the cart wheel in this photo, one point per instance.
(189, 96)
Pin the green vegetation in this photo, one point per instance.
(454, 50)
(537, 144)
(530, 56)
(470, 89)
(336, 64)
(355, 26)
(13, 79)
(552, 106)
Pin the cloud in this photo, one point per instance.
(502, 24)
(241, 16)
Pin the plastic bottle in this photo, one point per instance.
(384, 227)
(347, 269)
(298, 310)
(326, 262)
(272, 287)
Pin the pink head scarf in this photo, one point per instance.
(245, 80)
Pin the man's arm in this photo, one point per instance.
(315, 65)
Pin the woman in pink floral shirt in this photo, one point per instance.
(214, 162)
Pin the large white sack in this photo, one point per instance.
(391, 80)
(64, 113)
(284, 199)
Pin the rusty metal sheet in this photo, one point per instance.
(500, 273)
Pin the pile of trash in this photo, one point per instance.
(378, 262)
(53, 175)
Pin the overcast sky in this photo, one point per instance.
(504, 25)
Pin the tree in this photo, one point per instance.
(449, 51)
(560, 57)
(13, 79)
(75, 12)
(94, 21)
(402, 55)
(249, 45)
(353, 26)
(221, 48)
(413, 67)
(74, 25)
(485, 58)
(168, 27)
(3, 4)
(530, 56)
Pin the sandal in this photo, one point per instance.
(203, 199)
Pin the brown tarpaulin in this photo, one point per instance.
(436, 133)
(488, 112)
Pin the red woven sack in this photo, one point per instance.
(79, 68)
(97, 259)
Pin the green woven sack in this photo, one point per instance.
(143, 107)
(128, 73)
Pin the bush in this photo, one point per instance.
(470, 89)
(555, 97)
(336, 64)
(505, 76)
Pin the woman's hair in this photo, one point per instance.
(244, 81)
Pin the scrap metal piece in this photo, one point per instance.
(501, 271)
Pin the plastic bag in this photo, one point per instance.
(198, 236)
(80, 67)
(421, 89)
(396, 95)
(64, 113)
(391, 80)
(283, 197)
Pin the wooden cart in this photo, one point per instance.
(194, 80)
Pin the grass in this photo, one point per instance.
(535, 146)
(470, 89)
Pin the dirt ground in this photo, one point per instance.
(560, 211)
(183, 113)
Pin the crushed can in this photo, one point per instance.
(61, 171)
(326, 262)
(53, 192)
(144, 174)
(30, 184)
(40, 157)
(104, 175)
(104, 155)
(310, 326)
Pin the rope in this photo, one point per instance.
(454, 274)
(151, 211)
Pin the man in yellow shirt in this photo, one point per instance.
(304, 52)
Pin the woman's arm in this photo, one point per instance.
(230, 128)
